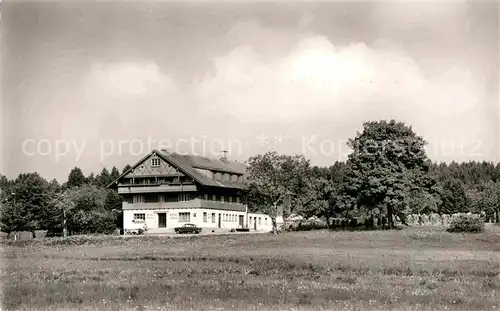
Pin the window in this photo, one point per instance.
(205, 197)
(184, 217)
(259, 220)
(184, 197)
(237, 199)
(194, 215)
(230, 199)
(205, 216)
(234, 218)
(214, 197)
(161, 198)
(265, 221)
(138, 199)
(140, 216)
(222, 198)
(213, 218)
(155, 162)
(230, 177)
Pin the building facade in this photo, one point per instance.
(166, 190)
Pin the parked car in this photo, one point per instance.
(188, 228)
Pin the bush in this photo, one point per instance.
(308, 226)
(470, 223)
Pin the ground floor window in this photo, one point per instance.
(184, 217)
(259, 220)
(205, 216)
(213, 218)
(140, 216)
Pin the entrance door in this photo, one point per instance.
(162, 220)
(219, 221)
(240, 220)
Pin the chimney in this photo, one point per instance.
(224, 157)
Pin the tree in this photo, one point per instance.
(454, 199)
(14, 217)
(485, 197)
(388, 164)
(320, 199)
(29, 195)
(4, 182)
(126, 168)
(275, 179)
(114, 174)
(113, 203)
(76, 178)
(91, 179)
(84, 210)
(104, 178)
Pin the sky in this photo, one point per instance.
(98, 85)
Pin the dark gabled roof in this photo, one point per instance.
(212, 164)
(188, 164)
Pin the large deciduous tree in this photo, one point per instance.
(320, 199)
(26, 204)
(85, 209)
(388, 164)
(275, 180)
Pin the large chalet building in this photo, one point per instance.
(166, 190)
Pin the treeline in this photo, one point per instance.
(81, 204)
(387, 177)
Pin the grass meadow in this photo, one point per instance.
(410, 269)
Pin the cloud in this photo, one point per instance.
(127, 79)
(317, 81)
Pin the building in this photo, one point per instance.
(166, 190)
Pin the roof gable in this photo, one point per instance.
(189, 165)
(146, 167)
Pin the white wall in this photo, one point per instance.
(231, 222)
(264, 224)
(196, 217)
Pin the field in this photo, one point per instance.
(411, 269)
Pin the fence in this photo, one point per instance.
(433, 219)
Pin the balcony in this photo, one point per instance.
(129, 189)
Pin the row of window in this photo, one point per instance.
(153, 180)
(156, 162)
(227, 177)
(186, 217)
(183, 197)
(222, 198)
(258, 219)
